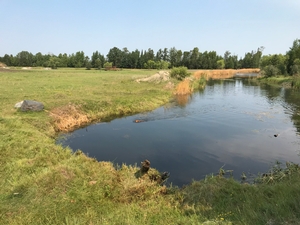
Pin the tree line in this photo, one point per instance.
(270, 65)
(144, 59)
(279, 64)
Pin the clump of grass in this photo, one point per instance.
(200, 82)
(272, 199)
(275, 80)
(189, 84)
(67, 118)
(278, 173)
(184, 87)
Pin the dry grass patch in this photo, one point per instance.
(222, 74)
(68, 118)
(184, 87)
(182, 100)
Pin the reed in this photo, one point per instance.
(222, 74)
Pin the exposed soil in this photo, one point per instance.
(156, 78)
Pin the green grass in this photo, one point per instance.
(43, 183)
(278, 80)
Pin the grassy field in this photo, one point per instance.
(43, 183)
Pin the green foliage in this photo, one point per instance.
(295, 70)
(88, 65)
(199, 83)
(53, 62)
(123, 58)
(108, 65)
(278, 173)
(296, 82)
(277, 60)
(273, 201)
(97, 60)
(252, 59)
(115, 56)
(292, 55)
(230, 61)
(150, 64)
(179, 72)
(98, 64)
(221, 64)
(24, 58)
(156, 65)
(270, 71)
(165, 58)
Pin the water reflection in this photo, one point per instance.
(231, 124)
(182, 100)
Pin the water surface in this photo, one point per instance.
(230, 124)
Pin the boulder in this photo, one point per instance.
(29, 105)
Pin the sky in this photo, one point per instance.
(68, 26)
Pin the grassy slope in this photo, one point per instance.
(286, 81)
(42, 183)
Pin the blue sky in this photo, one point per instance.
(68, 26)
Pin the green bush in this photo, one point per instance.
(296, 82)
(295, 69)
(108, 65)
(179, 72)
(270, 71)
(88, 65)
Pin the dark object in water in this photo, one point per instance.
(276, 135)
(145, 166)
(138, 121)
(165, 175)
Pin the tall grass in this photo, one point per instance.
(296, 82)
(222, 74)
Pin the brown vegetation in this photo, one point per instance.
(222, 74)
(67, 118)
(182, 100)
(184, 87)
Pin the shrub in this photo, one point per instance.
(179, 72)
(296, 82)
(88, 65)
(108, 65)
(295, 69)
(270, 71)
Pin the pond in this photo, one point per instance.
(232, 124)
